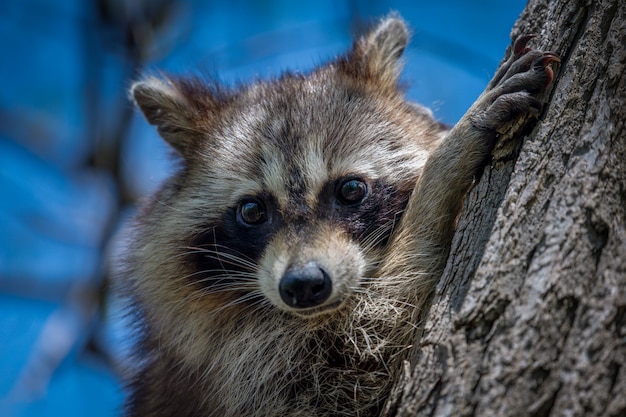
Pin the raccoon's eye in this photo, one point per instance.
(351, 191)
(251, 212)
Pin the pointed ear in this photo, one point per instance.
(379, 52)
(164, 105)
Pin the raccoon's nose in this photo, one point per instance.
(305, 286)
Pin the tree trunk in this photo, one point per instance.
(530, 315)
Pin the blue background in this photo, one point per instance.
(75, 155)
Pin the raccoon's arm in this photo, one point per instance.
(422, 240)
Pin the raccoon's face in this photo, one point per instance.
(291, 188)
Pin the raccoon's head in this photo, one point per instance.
(290, 188)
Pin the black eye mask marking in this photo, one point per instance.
(362, 207)
(233, 245)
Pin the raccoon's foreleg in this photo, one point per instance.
(421, 244)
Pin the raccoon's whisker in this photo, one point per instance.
(229, 286)
(376, 234)
(236, 258)
(375, 237)
(251, 296)
(222, 256)
(247, 294)
(223, 276)
(263, 304)
(396, 218)
(231, 275)
(241, 255)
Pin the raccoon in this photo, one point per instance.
(283, 270)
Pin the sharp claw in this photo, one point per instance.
(549, 57)
(543, 62)
(546, 59)
(519, 47)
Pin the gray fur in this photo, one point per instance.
(217, 338)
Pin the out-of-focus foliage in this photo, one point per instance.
(75, 156)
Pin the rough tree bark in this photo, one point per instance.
(530, 315)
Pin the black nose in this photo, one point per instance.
(305, 286)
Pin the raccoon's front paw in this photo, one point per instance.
(512, 91)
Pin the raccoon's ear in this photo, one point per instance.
(379, 52)
(165, 106)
